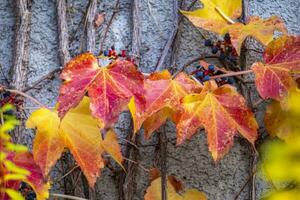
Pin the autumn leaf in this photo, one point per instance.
(78, 131)
(273, 78)
(17, 164)
(163, 95)
(210, 16)
(35, 179)
(222, 112)
(261, 29)
(110, 88)
(283, 121)
(219, 15)
(174, 190)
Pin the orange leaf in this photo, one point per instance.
(78, 131)
(261, 29)
(163, 95)
(110, 88)
(174, 187)
(111, 145)
(222, 112)
(282, 57)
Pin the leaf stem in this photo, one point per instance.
(232, 74)
(24, 95)
(224, 15)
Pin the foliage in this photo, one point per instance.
(79, 132)
(92, 96)
(281, 159)
(174, 189)
(17, 164)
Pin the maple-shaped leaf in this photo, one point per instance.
(174, 190)
(261, 29)
(222, 112)
(210, 18)
(163, 95)
(78, 131)
(281, 58)
(110, 88)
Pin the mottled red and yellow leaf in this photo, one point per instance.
(78, 131)
(282, 60)
(222, 112)
(110, 88)
(174, 190)
(163, 95)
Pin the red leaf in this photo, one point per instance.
(222, 112)
(282, 57)
(110, 88)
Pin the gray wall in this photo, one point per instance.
(191, 162)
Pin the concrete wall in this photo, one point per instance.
(191, 162)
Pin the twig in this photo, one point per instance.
(3, 74)
(108, 25)
(244, 186)
(63, 35)
(24, 95)
(163, 162)
(232, 74)
(69, 172)
(47, 76)
(135, 162)
(66, 196)
(90, 27)
(224, 15)
(191, 62)
(136, 38)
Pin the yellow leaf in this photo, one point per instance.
(14, 195)
(211, 16)
(78, 131)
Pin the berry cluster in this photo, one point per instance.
(203, 75)
(225, 47)
(112, 54)
(27, 192)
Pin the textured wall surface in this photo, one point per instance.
(191, 162)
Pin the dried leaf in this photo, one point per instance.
(99, 19)
(110, 88)
(282, 58)
(222, 112)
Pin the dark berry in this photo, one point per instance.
(222, 56)
(199, 74)
(206, 78)
(214, 50)
(106, 53)
(231, 80)
(208, 43)
(229, 49)
(112, 47)
(123, 53)
(211, 68)
(6, 94)
(227, 37)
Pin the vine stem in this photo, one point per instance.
(224, 15)
(232, 74)
(66, 196)
(24, 95)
